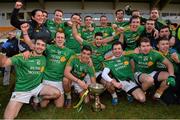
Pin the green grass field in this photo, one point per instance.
(124, 110)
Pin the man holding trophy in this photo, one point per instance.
(76, 69)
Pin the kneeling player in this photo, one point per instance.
(119, 66)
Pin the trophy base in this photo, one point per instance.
(96, 108)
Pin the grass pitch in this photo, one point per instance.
(124, 110)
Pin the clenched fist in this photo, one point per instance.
(18, 5)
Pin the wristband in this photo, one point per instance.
(171, 81)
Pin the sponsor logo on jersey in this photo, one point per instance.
(126, 62)
(38, 62)
(150, 63)
(62, 59)
(42, 69)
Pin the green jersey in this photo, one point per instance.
(161, 66)
(88, 35)
(56, 61)
(29, 73)
(98, 54)
(120, 67)
(121, 24)
(131, 38)
(71, 43)
(178, 33)
(79, 69)
(53, 27)
(107, 31)
(159, 23)
(147, 63)
(124, 24)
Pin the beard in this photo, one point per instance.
(38, 52)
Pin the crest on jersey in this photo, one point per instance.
(62, 59)
(150, 63)
(42, 69)
(126, 62)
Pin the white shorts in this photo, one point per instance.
(57, 85)
(24, 97)
(128, 86)
(87, 77)
(138, 74)
(87, 81)
(77, 88)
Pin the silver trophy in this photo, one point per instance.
(96, 89)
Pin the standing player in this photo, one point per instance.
(89, 29)
(130, 36)
(154, 15)
(98, 48)
(37, 28)
(149, 32)
(104, 27)
(120, 19)
(70, 40)
(55, 25)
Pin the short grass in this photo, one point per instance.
(124, 110)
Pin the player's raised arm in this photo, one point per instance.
(75, 32)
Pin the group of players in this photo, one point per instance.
(129, 55)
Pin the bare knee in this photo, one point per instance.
(149, 81)
(59, 102)
(59, 105)
(139, 95)
(141, 99)
(109, 86)
(44, 103)
(57, 94)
